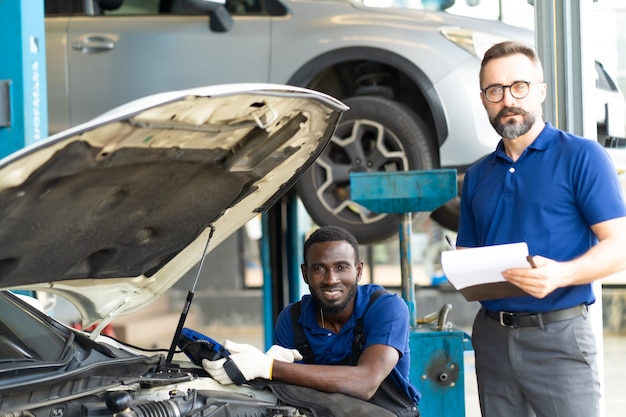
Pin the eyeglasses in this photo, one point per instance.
(519, 89)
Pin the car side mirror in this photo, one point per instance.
(220, 19)
(615, 122)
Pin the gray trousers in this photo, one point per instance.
(544, 371)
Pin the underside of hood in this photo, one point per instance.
(112, 213)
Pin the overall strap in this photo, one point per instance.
(302, 343)
(358, 339)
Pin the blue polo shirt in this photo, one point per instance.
(548, 198)
(385, 322)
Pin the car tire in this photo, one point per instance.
(448, 214)
(375, 135)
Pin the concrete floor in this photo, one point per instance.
(614, 379)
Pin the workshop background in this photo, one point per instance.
(231, 305)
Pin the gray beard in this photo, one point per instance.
(512, 130)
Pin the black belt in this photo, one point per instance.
(515, 320)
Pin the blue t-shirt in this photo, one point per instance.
(560, 186)
(386, 322)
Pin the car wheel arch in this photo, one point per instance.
(308, 75)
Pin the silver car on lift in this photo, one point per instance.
(408, 76)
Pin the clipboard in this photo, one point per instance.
(477, 272)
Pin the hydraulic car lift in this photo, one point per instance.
(437, 367)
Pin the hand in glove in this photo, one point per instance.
(283, 354)
(248, 360)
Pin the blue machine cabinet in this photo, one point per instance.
(437, 370)
(23, 93)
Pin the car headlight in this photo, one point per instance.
(473, 41)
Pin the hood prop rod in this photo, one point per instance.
(185, 312)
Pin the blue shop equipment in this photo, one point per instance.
(437, 349)
(23, 93)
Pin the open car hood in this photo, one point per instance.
(112, 213)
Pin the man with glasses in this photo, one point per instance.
(559, 193)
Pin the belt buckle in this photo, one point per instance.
(508, 319)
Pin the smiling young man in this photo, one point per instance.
(322, 326)
(559, 193)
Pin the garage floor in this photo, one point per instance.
(614, 376)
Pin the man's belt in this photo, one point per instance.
(515, 320)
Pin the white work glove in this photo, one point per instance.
(283, 354)
(251, 362)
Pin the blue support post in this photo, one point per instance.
(268, 300)
(23, 87)
(295, 245)
(295, 231)
(408, 293)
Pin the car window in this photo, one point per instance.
(25, 337)
(64, 7)
(136, 7)
(141, 7)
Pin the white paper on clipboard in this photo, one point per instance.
(477, 272)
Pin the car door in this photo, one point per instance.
(140, 48)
